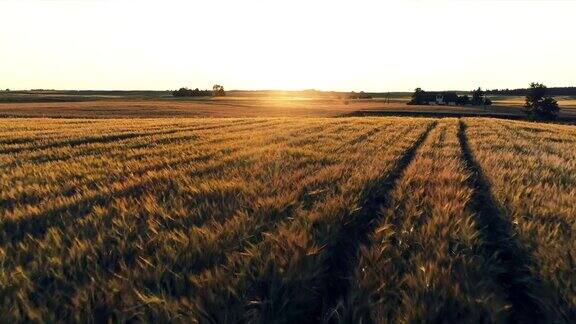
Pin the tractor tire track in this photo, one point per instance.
(356, 232)
(520, 284)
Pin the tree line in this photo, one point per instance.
(539, 103)
(422, 97)
(553, 91)
(217, 91)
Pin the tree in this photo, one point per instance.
(538, 105)
(185, 92)
(218, 91)
(463, 100)
(417, 92)
(477, 96)
(417, 97)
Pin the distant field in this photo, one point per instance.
(287, 219)
(567, 102)
(202, 107)
(138, 104)
(107, 104)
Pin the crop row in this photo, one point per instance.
(287, 220)
(103, 224)
(426, 260)
(532, 174)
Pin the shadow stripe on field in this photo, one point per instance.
(343, 254)
(36, 225)
(523, 288)
(114, 137)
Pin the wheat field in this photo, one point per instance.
(209, 220)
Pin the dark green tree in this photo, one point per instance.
(185, 92)
(417, 97)
(218, 91)
(538, 105)
(463, 100)
(478, 96)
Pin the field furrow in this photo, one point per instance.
(533, 181)
(39, 182)
(230, 192)
(33, 217)
(208, 220)
(426, 260)
(288, 275)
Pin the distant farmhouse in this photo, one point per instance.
(448, 98)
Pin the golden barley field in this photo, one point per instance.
(287, 220)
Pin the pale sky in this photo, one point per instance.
(286, 44)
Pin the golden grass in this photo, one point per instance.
(90, 204)
(278, 219)
(425, 260)
(532, 171)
